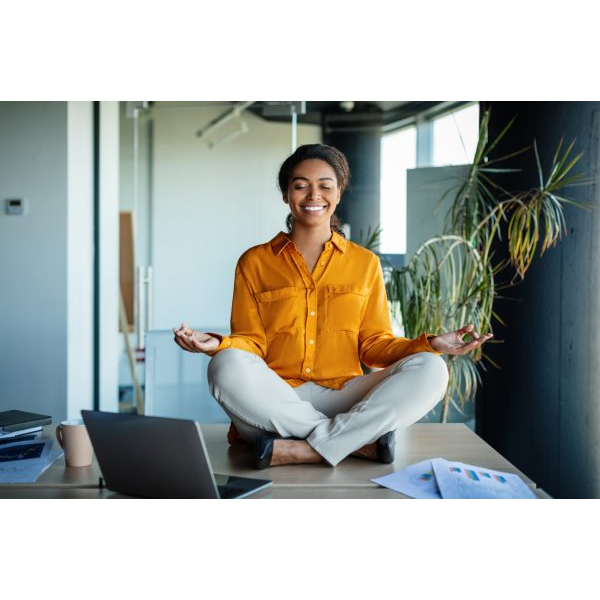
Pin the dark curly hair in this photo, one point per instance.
(332, 156)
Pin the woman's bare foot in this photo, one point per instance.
(367, 451)
(293, 452)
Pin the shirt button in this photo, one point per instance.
(307, 370)
(322, 263)
(311, 341)
(312, 313)
(228, 343)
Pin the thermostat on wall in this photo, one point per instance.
(15, 206)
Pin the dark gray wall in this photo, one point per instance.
(542, 409)
(33, 269)
(360, 203)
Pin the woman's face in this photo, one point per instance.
(313, 193)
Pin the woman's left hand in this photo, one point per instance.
(452, 343)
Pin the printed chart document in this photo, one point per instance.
(458, 480)
(416, 481)
(25, 461)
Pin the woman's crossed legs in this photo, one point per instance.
(334, 423)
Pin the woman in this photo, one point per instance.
(307, 308)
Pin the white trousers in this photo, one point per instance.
(334, 422)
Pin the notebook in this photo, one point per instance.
(15, 420)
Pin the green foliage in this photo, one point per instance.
(542, 204)
(371, 241)
(452, 280)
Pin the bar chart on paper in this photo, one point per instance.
(458, 480)
(478, 475)
(416, 481)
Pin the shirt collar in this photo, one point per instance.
(339, 241)
(281, 240)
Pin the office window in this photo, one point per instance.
(398, 153)
(455, 136)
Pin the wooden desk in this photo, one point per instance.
(349, 479)
(274, 492)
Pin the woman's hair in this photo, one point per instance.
(332, 156)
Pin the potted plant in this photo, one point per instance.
(454, 278)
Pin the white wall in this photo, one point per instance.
(46, 275)
(33, 247)
(109, 255)
(210, 206)
(80, 259)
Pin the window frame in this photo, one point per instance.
(423, 123)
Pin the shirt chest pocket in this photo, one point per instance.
(279, 310)
(345, 307)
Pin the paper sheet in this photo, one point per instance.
(17, 434)
(25, 461)
(459, 480)
(416, 481)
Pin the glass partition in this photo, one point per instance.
(176, 384)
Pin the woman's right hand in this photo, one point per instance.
(195, 341)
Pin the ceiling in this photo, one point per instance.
(327, 114)
(351, 113)
(331, 116)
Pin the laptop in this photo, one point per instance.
(156, 457)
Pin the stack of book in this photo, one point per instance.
(17, 423)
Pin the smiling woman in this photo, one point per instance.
(330, 173)
(308, 308)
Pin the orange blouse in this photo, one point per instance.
(315, 326)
